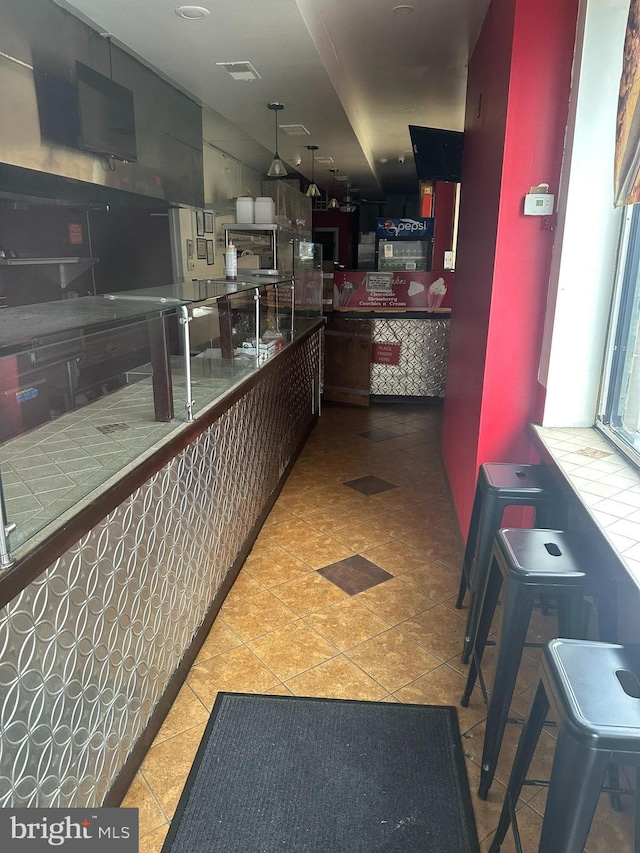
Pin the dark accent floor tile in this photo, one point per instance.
(355, 574)
(370, 485)
(107, 428)
(378, 434)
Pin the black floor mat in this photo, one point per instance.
(300, 775)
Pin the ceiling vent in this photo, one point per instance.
(240, 70)
(294, 129)
(326, 160)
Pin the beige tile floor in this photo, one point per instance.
(286, 629)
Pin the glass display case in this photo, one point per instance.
(58, 356)
(404, 254)
(90, 386)
(307, 275)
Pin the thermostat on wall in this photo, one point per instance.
(539, 201)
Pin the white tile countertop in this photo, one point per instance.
(605, 483)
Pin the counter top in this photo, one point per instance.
(200, 290)
(606, 485)
(22, 324)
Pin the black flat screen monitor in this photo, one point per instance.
(438, 153)
(107, 119)
(57, 109)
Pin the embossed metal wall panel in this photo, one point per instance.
(424, 347)
(87, 650)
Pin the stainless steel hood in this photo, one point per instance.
(40, 40)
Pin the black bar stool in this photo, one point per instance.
(530, 563)
(594, 692)
(502, 484)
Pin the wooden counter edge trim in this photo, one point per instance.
(31, 565)
(121, 785)
(389, 314)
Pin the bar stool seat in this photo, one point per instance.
(527, 564)
(593, 690)
(502, 484)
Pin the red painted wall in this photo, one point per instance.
(517, 105)
(443, 210)
(345, 223)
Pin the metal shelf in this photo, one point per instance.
(16, 262)
(61, 271)
(242, 226)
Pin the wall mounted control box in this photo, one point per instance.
(539, 201)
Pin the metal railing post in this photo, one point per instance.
(256, 299)
(6, 560)
(184, 319)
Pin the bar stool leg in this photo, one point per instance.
(576, 779)
(490, 518)
(571, 615)
(636, 838)
(488, 602)
(469, 551)
(524, 755)
(518, 604)
(608, 632)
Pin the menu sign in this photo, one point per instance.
(379, 282)
(380, 291)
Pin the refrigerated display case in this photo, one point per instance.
(404, 244)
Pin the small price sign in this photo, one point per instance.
(385, 353)
(76, 233)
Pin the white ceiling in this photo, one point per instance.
(353, 72)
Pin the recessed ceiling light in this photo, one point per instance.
(403, 10)
(192, 13)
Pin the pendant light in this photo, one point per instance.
(334, 203)
(277, 168)
(313, 191)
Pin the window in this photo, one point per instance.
(619, 415)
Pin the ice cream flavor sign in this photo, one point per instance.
(391, 291)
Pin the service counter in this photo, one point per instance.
(386, 355)
(387, 336)
(108, 599)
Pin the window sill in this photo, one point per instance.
(604, 483)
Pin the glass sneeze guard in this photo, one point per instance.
(79, 400)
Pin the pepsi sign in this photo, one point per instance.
(404, 228)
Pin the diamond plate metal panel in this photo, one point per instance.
(424, 347)
(86, 651)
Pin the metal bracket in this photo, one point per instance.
(6, 529)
